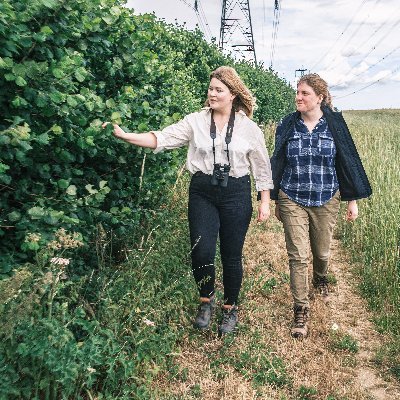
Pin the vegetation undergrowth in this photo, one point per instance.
(55, 343)
(373, 240)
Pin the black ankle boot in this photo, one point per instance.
(229, 321)
(204, 314)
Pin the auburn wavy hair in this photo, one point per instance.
(319, 86)
(244, 100)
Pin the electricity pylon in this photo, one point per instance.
(236, 31)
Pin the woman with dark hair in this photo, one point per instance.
(315, 165)
(224, 145)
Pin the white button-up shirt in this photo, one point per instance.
(247, 151)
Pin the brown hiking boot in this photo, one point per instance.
(321, 289)
(300, 327)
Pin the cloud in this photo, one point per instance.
(350, 51)
(317, 35)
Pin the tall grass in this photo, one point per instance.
(374, 238)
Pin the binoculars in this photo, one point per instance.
(220, 175)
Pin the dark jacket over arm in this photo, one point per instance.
(353, 181)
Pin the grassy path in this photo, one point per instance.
(336, 362)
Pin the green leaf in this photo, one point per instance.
(115, 11)
(6, 179)
(49, 3)
(116, 117)
(3, 167)
(19, 102)
(36, 212)
(30, 246)
(71, 190)
(110, 103)
(63, 183)
(71, 101)
(20, 81)
(108, 19)
(3, 64)
(56, 96)
(102, 184)
(53, 217)
(9, 77)
(89, 105)
(41, 100)
(14, 216)
(42, 139)
(70, 220)
(46, 30)
(80, 74)
(58, 73)
(90, 189)
(56, 129)
(89, 140)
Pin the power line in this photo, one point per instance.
(345, 29)
(367, 86)
(384, 23)
(275, 27)
(204, 18)
(262, 25)
(373, 48)
(363, 22)
(371, 66)
(199, 19)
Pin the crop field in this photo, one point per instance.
(374, 239)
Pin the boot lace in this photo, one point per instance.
(300, 317)
(322, 286)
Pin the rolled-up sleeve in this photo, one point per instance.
(173, 136)
(260, 163)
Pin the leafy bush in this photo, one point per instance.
(65, 67)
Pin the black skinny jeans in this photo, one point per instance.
(216, 210)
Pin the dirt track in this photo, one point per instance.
(335, 362)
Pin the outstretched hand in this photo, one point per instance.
(117, 131)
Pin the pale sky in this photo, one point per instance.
(351, 44)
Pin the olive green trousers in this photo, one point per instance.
(305, 227)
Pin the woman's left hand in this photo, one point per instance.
(263, 211)
(352, 211)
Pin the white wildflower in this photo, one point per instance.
(334, 327)
(148, 322)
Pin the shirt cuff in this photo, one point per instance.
(160, 142)
(264, 185)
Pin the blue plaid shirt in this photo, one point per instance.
(310, 176)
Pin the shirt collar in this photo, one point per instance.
(208, 112)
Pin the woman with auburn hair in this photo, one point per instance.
(224, 145)
(315, 165)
